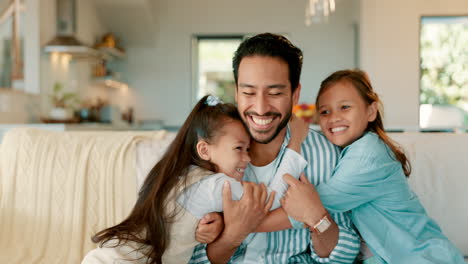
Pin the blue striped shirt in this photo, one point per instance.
(295, 245)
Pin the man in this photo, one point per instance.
(267, 69)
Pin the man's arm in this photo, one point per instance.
(347, 247)
(302, 203)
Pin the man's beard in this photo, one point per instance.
(280, 127)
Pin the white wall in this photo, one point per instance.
(75, 76)
(389, 51)
(18, 107)
(161, 73)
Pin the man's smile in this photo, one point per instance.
(262, 123)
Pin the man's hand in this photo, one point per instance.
(209, 228)
(242, 217)
(302, 201)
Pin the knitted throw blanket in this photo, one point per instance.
(57, 189)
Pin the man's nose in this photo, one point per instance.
(261, 104)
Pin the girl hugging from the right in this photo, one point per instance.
(370, 178)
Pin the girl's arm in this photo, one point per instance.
(276, 220)
(299, 131)
(292, 162)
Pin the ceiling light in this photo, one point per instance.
(317, 11)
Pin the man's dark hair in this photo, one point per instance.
(272, 45)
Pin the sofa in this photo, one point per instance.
(58, 188)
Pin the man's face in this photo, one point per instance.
(264, 98)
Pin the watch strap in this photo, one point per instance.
(315, 228)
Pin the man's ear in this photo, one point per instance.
(372, 111)
(296, 94)
(203, 150)
(236, 93)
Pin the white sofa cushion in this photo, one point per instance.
(148, 153)
(440, 179)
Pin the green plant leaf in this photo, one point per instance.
(58, 87)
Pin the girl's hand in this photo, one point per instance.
(299, 131)
(209, 228)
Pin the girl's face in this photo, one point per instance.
(229, 151)
(343, 113)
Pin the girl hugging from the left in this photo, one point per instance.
(210, 149)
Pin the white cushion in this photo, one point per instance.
(440, 179)
(148, 153)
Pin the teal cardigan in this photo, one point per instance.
(369, 182)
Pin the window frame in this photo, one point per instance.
(421, 23)
(195, 57)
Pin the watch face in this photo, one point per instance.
(323, 225)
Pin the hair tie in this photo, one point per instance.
(213, 100)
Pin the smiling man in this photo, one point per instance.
(264, 96)
(267, 69)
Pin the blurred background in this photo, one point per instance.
(142, 64)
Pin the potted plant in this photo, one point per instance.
(62, 102)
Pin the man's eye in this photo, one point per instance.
(275, 94)
(324, 112)
(247, 91)
(344, 107)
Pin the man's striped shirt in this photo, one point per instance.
(295, 245)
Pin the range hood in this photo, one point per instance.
(65, 40)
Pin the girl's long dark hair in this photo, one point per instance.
(149, 223)
(361, 82)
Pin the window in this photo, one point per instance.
(444, 72)
(212, 69)
(11, 44)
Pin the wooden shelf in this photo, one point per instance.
(111, 53)
(111, 82)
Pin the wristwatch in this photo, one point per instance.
(322, 225)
